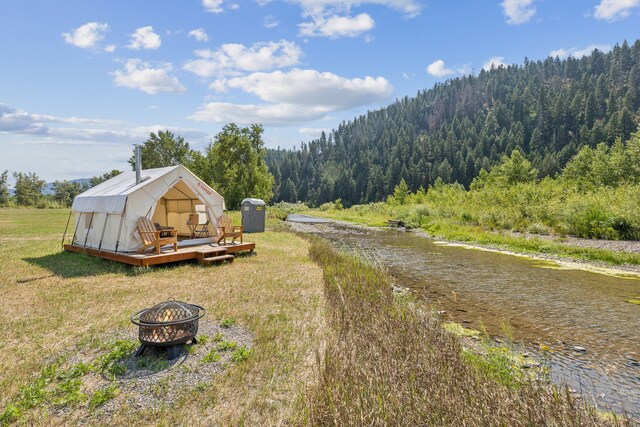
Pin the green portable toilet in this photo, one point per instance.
(253, 215)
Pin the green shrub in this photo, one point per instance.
(591, 221)
(102, 396)
(240, 354)
(226, 345)
(211, 357)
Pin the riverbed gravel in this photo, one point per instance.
(596, 266)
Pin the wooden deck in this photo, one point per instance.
(205, 254)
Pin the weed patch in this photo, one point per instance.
(390, 362)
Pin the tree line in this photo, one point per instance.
(596, 195)
(233, 163)
(29, 187)
(547, 110)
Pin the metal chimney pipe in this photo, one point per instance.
(138, 159)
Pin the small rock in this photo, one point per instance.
(465, 321)
(526, 354)
(579, 349)
(441, 312)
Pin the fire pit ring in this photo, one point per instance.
(168, 325)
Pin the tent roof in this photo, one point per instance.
(111, 195)
(125, 183)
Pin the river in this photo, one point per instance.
(593, 333)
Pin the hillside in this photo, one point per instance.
(547, 109)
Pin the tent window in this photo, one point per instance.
(88, 224)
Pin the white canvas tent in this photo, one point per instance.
(106, 215)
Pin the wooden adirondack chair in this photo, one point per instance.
(227, 229)
(151, 237)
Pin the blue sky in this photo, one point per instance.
(82, 81)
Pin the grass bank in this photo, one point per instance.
(54, 303)
(388, 361)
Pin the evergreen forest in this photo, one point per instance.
(547, 110)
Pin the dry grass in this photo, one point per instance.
(346, 353)
(52, 301)
(388, 362)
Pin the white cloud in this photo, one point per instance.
(145, 38)
(410, 8)
(518, 11)
(313, 132)
(337, 26)
(589, 50)
(72, 147)
(78, 129)
(438, 69)
(267, 114)
(494, 61)
(213, 6)
(231, 58)
(560, 53)
(332, 18)
(270, 22)
(110, 48)
(611, 10)
(579, 53)
(199, 34)
(293, 97)
(87, 36)
(141, 75)
(311, 88)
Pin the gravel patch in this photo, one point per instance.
(152, 382)
(611, 245)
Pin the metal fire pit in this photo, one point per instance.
(168, 324)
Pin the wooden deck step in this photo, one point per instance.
(216, 259)
(212, 255)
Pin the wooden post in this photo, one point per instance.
(86, 236)
(75, 230)
(104, 227)
(122, 214)
(66, 228)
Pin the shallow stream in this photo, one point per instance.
(593, 333)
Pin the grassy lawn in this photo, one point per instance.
(55, 302)
(331, 343)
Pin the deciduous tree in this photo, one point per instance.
(28, 188)
(93, 181)
(235, 165)
(164, 149)
(4, 188)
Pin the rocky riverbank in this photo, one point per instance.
(553, 260)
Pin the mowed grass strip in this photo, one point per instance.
(389, 361)
(55, 301)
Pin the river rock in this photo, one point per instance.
(579, 349)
